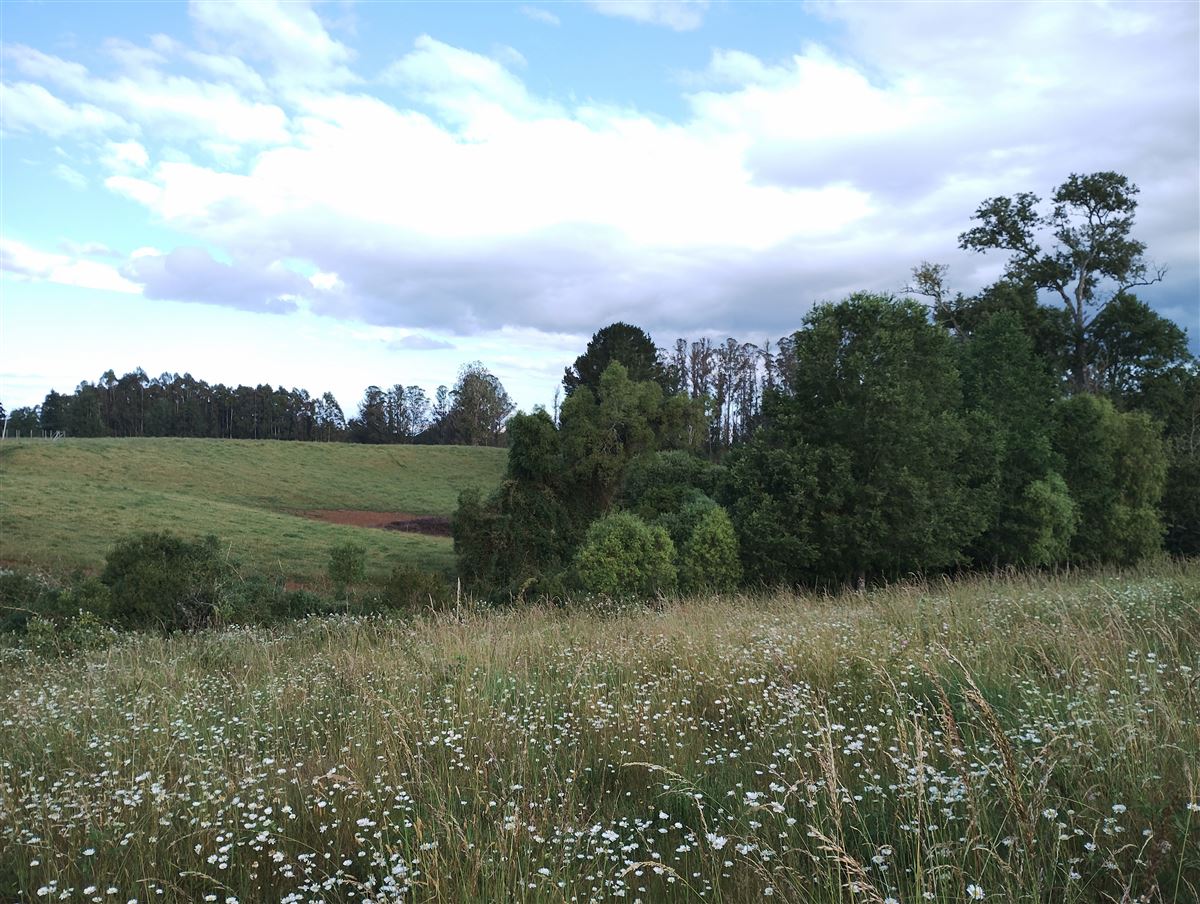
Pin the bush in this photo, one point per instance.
(708, 559)
(59, 637)
(347, 565)
(681, 521)
(160, 580)
(412, 588)
(623, 556)
(520, 536)
(22, 597)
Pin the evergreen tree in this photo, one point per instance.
(625, 344)
(867, 452)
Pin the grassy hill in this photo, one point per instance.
(63, 504)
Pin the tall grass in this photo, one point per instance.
(1027, 739)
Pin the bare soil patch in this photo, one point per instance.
(432, 525)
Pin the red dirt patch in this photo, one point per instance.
(433, 525)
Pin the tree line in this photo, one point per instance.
(887, 436)
(472, 412)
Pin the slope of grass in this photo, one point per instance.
(63, 504)
(1033, 739)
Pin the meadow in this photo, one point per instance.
(1021, 738)
(65, 503)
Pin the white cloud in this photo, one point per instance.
(289, 36)
(540, 15)
(169, 106)
(460, 199)
(418, 342)
(27, 107)
(192, 274)
(680, 15)
(465, 88)
(125, 156)
(72, 177)
(22, 261)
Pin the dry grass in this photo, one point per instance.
(1032, 737)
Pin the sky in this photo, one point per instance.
(333, 195)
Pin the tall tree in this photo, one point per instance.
(371, 425)
(1133, 345)
(859, 472)
(622, 342)
(479, 407)
(1089, 226)
(1009, 394)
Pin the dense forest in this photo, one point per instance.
(472, 413)
(887, 436)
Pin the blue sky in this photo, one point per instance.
(337, 194)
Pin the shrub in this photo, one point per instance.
(681, 521)
(59, 637)
(622, 555)
(22, 597)
(412, 588)
(522, 534)
(708, 559)
(347, 565)
(165, 581)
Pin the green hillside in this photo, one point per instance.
(63, 504)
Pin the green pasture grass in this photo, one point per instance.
(63, 504)
(1030, 738)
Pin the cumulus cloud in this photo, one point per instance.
(28, 107)
(680, 15)
(23, 262)
(288, 36)
(151, 99)
(456, 198)
(192, 274)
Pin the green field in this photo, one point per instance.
(63, 504)
(1031, 740)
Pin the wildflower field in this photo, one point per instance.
(1020, 739)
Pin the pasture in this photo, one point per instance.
(63, 504)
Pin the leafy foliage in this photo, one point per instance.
(708, 558)
(347, 565)
(623, 556)
(862, 473)
(1024, 501)
(1090, 223)
(664, 481)
(161, 580)
(605, 430)
(520, 537)
(411, 588)
(1115, 468)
